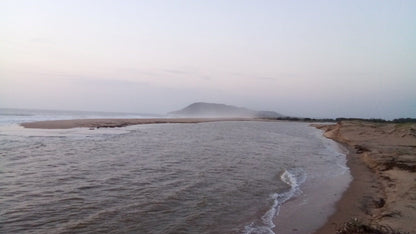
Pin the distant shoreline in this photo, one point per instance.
(122, 122)
(117, 123)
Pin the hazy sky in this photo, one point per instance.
(303, 58)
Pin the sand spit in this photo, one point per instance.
(382, 160)
(115, 123)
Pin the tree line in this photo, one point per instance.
(374, 120)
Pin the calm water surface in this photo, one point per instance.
(223, 177)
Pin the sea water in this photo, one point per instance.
(218, 177)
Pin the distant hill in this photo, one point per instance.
(202, 109)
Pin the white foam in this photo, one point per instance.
(337, 150)
(294, 178)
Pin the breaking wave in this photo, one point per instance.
(293, 177)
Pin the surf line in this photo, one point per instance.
(293, 177)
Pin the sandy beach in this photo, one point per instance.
(382, 161)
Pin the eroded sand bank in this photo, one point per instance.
(382, 161)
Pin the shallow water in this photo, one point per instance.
(222, 177)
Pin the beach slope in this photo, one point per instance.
(382, 160)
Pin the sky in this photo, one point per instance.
(298, 58)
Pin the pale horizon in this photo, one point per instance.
(319, 59)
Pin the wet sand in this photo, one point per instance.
(382, 161)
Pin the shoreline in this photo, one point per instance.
(382, 162)
(352, 200)
(323, 188)
(117, 123)
(381, 159)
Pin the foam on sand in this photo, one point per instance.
(293, 177)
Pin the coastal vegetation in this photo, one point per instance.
(372, 120)
(216, 110)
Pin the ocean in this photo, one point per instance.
(217, 177)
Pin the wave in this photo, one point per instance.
(338, 151)
(293, 177)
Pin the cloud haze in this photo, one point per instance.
(304, 58)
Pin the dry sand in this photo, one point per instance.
(382, 161)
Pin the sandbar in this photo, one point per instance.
(114, 123)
